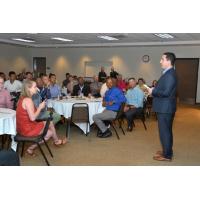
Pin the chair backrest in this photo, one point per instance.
(120, 111)
(80, 112)
(47, 124)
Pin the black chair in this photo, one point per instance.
(141, 115)
(15, 99)
(119, 118)
(36, 139)
(5, 139)
(80, 114)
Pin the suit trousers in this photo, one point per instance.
(165, 122)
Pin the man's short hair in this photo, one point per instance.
(28, 73)
(50, 75)
(131, 79)
(170, 56)
(11, 73)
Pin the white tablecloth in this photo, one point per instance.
(8, 124)
(64, 107)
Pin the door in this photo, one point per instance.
(187, 72)
(39, 66)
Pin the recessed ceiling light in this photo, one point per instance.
(105, 37)
(61, 39)
(164, 35)
(23, 40)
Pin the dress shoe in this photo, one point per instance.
(99, 133)
(106, 134)
(159, 153)
(161, 158)
(130, 128)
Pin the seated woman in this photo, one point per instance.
(26, 115)
(5, 98)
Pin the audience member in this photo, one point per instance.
(121, 83)
(55, 89)
(26, 114)
(113, 73)
(81, 89)
(5, 98)
(71, 84)
(13, 85)
(66, 81)
(38, 98)
(95, 87)
(3, 76)
(103, 89)
(134, 104)
(154, 83)
(102, 75)
(29, 76)
(113, 99)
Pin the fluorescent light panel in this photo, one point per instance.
(164, 35)
(61, 39)
(105, 37)
(23, 40)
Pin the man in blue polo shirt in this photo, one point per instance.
(113, 99)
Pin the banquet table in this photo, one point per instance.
(8, 124)
(64, 107)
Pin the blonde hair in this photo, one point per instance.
(25, 88)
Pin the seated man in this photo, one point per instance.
(43, 84)
(95, 87)
(134, 104)
(55, 89)
(113, 99)
(37, 99)
(81, 88)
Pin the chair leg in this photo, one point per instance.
(47, 162)
(115, 131)
(120, 126)
(22, 152)
(9, 140)
(144, 124)
(67, 129)
(48, 148)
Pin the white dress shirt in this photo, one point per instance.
(16, 86)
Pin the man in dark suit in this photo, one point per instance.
(102, 75)
(81, 88)
(164, 104)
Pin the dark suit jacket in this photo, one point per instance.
(85, 90)
(164, 94)
(9, 158)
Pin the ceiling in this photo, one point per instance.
(92, 40)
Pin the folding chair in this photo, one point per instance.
(36, 139)
(80, 114)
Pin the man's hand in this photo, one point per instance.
(104, 104)
(110, 103)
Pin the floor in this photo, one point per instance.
(136, 148)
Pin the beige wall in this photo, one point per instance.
(14, 58)
(126, 60)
